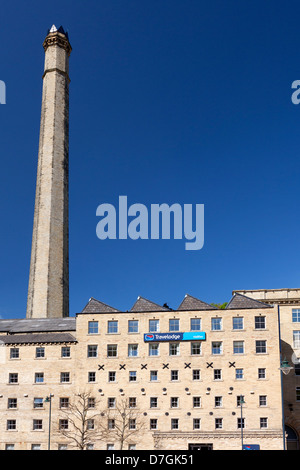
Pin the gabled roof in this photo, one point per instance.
(144, 305)
(191, 303)
(31, 325)
(38, 338)
(95, 306)
(239, 301)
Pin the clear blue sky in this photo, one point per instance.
(185, 101)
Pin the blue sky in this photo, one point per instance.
(171, 101)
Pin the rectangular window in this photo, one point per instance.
(296, 339)
(64, 402)
(38, 402)
(261, 373)
(262, 400)
(65, 351)
(153, 326)
(216, 347)
(174, 375)
(112, 326)
(174, 324)
(91, 402)
(132, 423)
(241, 423)
(217, 374)
(216, 324)
(63, 424)
(37, 425)
(238, 347)
(240, 399)
(296, 315)
(153, 349)
(238, 323)
(11, 425)
(14, 353)
(93, 328)
(260, 322)
(111, 424)
(91, 377)
(111, 402)
(174, 423)
(263, 423)
(39, 352)
(153, 375)
(174, 349)
(12, 403)
(239, 374)
(196, 423)
(153, 424)
(133, 326)
(218, 402)
(196, 348)
(297, 393)
(132, 350)
(196, 374)
(112, 350)
(132, 402)
(92, 350)
(39, 377)
(196, 402)
(153, 402)
(64, 377)
(218, 423)
(132, 376)
(261, 346)
(111, 376)
(174, 402)
(13, 378)
(195, 324)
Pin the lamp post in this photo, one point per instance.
(48, 400)
(285, 369)
(242, 401)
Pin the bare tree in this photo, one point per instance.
(121, 422)
(79, 421)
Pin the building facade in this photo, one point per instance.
(195, 377)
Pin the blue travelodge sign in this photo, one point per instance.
(188, 336)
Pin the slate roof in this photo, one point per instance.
(37, 338)
(239, 301)
(191, 303)
(95, 306)
(28, 325)
(144, 305)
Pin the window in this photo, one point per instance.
(297, 369)
(196, 402)
(65, 351)
(174, 349)
(64, 402)
(296, 315)
(238, 323)
(90, 424)
(132, 376)
(153, 326)
(217, 374)
(111, 402)
(12, 403)
(153, 375)
(112, 327)
(91, 402)
(37, 425)
(93, 328)
(296, 339)
(92, 350)
(297, 393)
(111, 376)
(216, 324)
(91, 377)
(153, 424)
(132, 402)
(39, 352)
(133, 326)
(195, 324)
(153, 349)
(63, 424)
(111, 424)
(263, 423)
(153, 402)
(218, 402)
(261, 347)
(64, 377)
(13, 378)
(261, 373)
(196, 423)
(218, 423)
(174, 423)
(239, 400)
(174, 375)
(131, 446)
(14, 353)
(39, 377)
(132, 350)
(35, 446)
(132, 423)
(262, 400)
(241, 423)
(174, 324)
(239, 374)
(174, 402)
(38, 402)
(260, 323)
(112, 350)
(238, 347)
(11, 425)
(110, 447)
(9, 446)
(216, 347)
(196, 348)
(196, 374)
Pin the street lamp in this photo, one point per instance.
(48, 400)
(285, 369)
(242, 401)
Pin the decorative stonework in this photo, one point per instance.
(57, 39)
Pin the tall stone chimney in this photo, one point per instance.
(48, 292)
